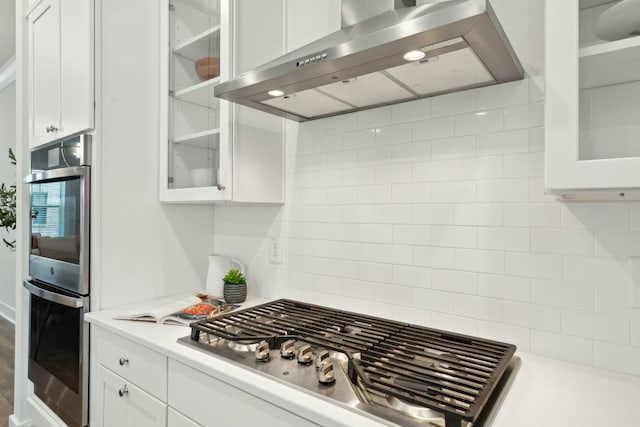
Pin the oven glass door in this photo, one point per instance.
(55, 219)
(58, 350)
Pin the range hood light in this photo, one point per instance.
(414, 55)
(275, 92)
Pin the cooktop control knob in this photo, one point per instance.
(305, 356)
(263, 352)
(322, 358)
(326, 375)
(288, 349)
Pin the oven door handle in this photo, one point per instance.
(57, 174)
(72, 302)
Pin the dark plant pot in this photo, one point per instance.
(235, 293)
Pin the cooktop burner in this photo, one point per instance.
(407, 374)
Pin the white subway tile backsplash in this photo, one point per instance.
(453, 103)
(502, 238)
(478, 307)
(533, 316)
(454, 148)
(503, 287)
(440, 127)
(478, 168)
(393, 134)
(616, 357)
(434, 257)
(477, 214)
(417, 277)
(432, 214)
(411, 152)
(542, 266)
(479, 122)
(411, 111)
(374, 117)
(454, 236)
(411, 193)
(435, 301)
(393, 174)
(602, 271)
(532, 215)
(562, 294)
(503, 190)
(562, 241)
(453, 191)
(433, 211)
(375, 233)
(524, 116)
(480, 260)
(416, 235)
(512, 93)
(454, 281)
(564, 347)
(594, 325)
(441, 170)
(503, 143)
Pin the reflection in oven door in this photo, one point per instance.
(58, 351)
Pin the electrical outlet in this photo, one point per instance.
(275, 250)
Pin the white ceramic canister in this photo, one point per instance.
(219, 265)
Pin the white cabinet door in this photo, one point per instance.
(60, 69)
(76, 66)
(176, 419)
(44, 72)
(213, 403)
(591, 106)
(120, 403)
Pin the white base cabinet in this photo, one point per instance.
(133, 385)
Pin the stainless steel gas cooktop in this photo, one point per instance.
(406, 374)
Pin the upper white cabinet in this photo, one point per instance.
(60, 69)
(592, 131)
(211, 152)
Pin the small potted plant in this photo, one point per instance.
(235, 287)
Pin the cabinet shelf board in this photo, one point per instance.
(200, 6)
(204, 44)
(585, 4)
(610, 63)
(197, 139)
(200, 93)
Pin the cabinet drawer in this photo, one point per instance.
(142, 366)
(212, 402)
(176, 419)
(120, 403)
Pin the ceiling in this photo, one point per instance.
(7, 30)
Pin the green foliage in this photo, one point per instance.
(8, 206)
(234, 277)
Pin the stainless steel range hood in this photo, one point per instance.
(363, 65)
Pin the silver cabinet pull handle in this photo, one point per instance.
(221, 187)
(123, 361)
(124, 390)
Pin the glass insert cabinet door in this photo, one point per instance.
(197, 121)
(592, 106)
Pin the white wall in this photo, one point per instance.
(141, 248)
(433, 212)
(7, 176)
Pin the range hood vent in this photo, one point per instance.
(460, 45)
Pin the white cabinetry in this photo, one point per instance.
(226, 405)
(592, 106)
(60, 69)
(205, 155)
(128, 383)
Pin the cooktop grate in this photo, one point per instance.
(447, 372)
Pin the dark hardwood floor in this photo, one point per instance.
(6, 370)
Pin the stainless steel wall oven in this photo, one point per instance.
(59, 276)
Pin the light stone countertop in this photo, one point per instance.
(545, 391)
